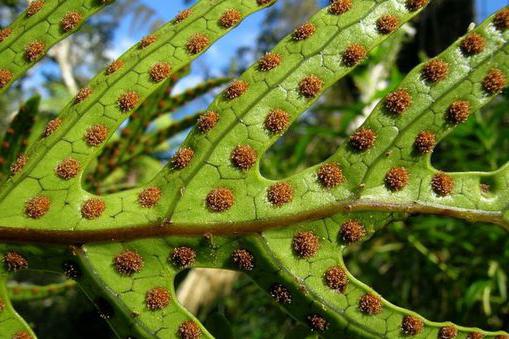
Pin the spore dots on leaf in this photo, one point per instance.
(82, 94)
(181, 16)
(317, 323)
(435, 70)
(352, 231)
(370, 304)
(5, 77)
(501, 20)
(183, 257)
(476, 335)
(411, 325)
(207, 121)
(189, 330)
(197, 43)
(18, 164)
(243, 259)
(304, 31)
(336, 279)
(387, 24)
(70, 21)
(442, 184)
(305, 244)
(14, 261)
(68, 168)
(398, 102)
(93, 208)
(363, 139)
(37, 206)
(220, 199)
(310, 86)
(95, 135)
(425, 142)
(354, 54)
(149, 197)
(279, 194)
(472, 44)
(34, 50)
(338, 7)
(34, 7)
(157, 298)
(277, 121)
(127, 101)
(114, 66)
(5, 33)
(280, 293)
(159, 71)
(397, 178)
(128, 262)
(330, 175)
(147, 41)
(458, 112)
(243, 157)
(230, 18)
(414, 5)
(182, 158)
(22, 335)
(494, 82)
(447, 332)
(236, 89)
(269, 61)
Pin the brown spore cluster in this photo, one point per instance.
(447, 332)
(183, 256)
(5, 77)
(149, 197)
(181, 16)
(494, 82)
(148, 40)
(336, 279)
(230, 18)
(207, 121)
(501, 20)
(472, 44)
(18, 164)
(317, 323)
(352, 231)
(14, 261)
(305, 244)
(458, 112)
(114, 66)
(236, 89)
(387, 24)
(363, 139)
(70, 21)
(330, 175)
(34, 50)
(277, 121)
(189, 330)
(435, 70)
(243, 157)
(68, 168)
(442, 184)
(95, 135)
(425, 142)
(220, 199)
(280, 293)
(397, 178)
(197, 43)
(354, 54)
(411, 325)
(310, 86)
(93, 208)
(128, 101)
(182, 158)
(280, 194)
(370, 304)
(398, 102)
(82, 94)
(37, 207)
(34, 7)
(157, 298)
(159, 71)
(304, 31)
(128, 262)
(269, 61)
(338, 7)
(243, 259)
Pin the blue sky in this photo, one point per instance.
(245, 35)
